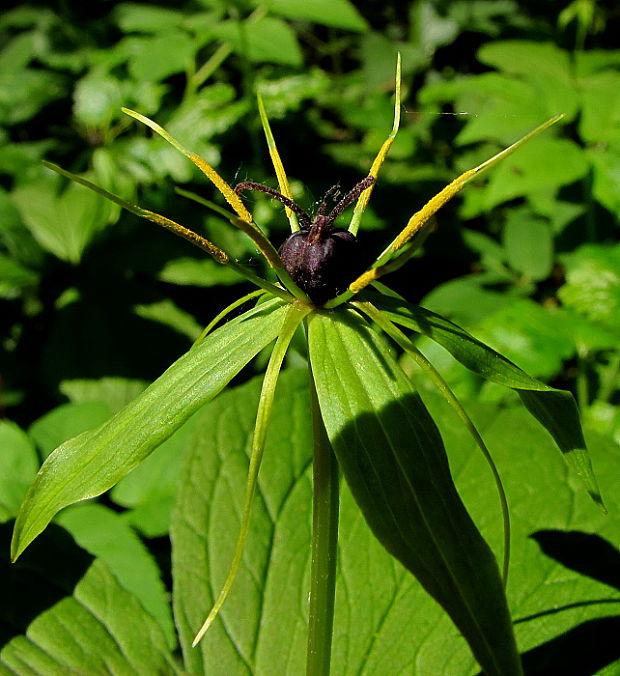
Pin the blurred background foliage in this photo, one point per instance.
(95, 303)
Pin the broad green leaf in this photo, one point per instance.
(539, 339)
(14, 277)
(592, 285)
(338, 13)
(504, 107)
(25, 91)
(393, 459)
(385, 623)
(605, 163)
(466, 299)
(555, 409)
(267, 40)
(156, 58)
(589, 62)
(135, 18)
(213, 110)
(166, 312)
(148, 491)
(97, 98)
(287, 93)
(71, 616)
(93, 462)
(198, 272)
(17, 52)
(564, 603)
(18, 465)
(529, 244)
(544, 65)
(471, 352)
(542, 164)
(63, 224)
(106, 535)
(600, 117)
(114, 392)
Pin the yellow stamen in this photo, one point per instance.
(430, 208)
(362, 202)
(229, 194)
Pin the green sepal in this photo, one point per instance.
(394, 461)
(555, 409)
(92, 462)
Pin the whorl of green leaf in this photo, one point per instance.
(94, 461)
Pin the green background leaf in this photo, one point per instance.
(78, 618)
(385, 622)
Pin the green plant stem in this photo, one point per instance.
(325, 509)
(583, 395)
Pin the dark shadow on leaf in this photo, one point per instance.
(582, 651)
(593, 644)
(395, 464)
(47, 572)
(585, 553)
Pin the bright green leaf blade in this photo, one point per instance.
(592, 285)
(66, 421)
(528, 242)
(112, 391)
(107, 536)
(134, 18)
(394, 461)
(14, 277)
(62, 223)
(18, 465)
(554, 409)
(96, 628)
(338, 13)
(156, 58)
(563, 590)
(264, 40)
(89, 464)
(265, 405)
(471, 352)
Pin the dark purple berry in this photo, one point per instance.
(322, 260)
(322, 267)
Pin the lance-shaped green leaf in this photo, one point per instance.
(555, 409)
(94, 461)
(394, 461)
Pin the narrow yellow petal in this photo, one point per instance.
(430, 208)
(283, 183)
(362, 202)
(178, 229)
(435, 203)
(229, 194)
